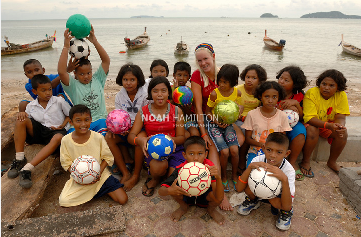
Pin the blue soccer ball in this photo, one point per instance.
(160, 146)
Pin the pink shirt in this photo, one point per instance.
(263, 126)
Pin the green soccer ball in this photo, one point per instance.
(79, 26)
(226, 112)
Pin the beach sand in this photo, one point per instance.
(13, 91)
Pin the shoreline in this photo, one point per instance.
(13, 91)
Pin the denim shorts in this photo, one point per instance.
(223, 138)
(298, 129)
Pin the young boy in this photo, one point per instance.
(195, 151)
(86, 88)
(45, 122)
(85, 142)
(274, 161)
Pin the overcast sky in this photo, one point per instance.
(50, 9)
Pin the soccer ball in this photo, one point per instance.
(227, 112)
(262, 185)
(183, 95)
(292, 116)
(79, 26)
(79, 48)
(118, 121)
(85, 169)
(194, 178)
(160, 146)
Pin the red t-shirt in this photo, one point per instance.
(154, 125)
(196, 77)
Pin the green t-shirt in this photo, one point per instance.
(91, 94)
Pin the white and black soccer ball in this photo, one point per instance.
(292, 117)
(78, 48)
(262, 185)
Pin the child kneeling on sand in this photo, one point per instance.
(195, 151)
(273, 161)
(45, 121)
(86, 142)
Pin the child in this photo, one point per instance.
(45, 122)
(182, 74)
(325, 111)
(293, 81)
(87, 88)
(195, 151)
(131, 98)
(252, 75)
(265, 119)
(158, 117)
(223, 135)
(273, 161)
(33, 67)
(158, 68)
(85, 142)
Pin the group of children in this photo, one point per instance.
(266, 139)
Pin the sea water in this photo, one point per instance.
(312, 44)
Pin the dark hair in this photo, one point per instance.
(228, 72)
(31, 61)
(83, 61)
(158, 80)
(79, 109)
(194, 140)
(270, 85)
(182, 66)
(279, 138)
(39, 79)
(261, 72)
(135, 70)
(298, 77)
(158, 62)
(336, 75)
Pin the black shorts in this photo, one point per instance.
(110, 185)
(41, 134)
(200, 201)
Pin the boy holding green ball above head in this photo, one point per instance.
(86, 88)
(273, 161)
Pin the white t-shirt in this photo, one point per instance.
(287, 168)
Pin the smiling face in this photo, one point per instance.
(33, 69)
(81, 123)
(159, 71)
(130, 83)
(251, 80)
(160, 94)
(181, 77)
(328, 87)
(84, 73)
(195, 153)
(205, 60)
(286, 82)
(44, 92)
(275, 153)
(270, 98)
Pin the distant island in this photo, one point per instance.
(268, 15)
(332, 14)
(145, 16)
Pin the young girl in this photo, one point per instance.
(265, 119)
(293, 81)
(131, 98)
(159, 117)
(223, 135)
(325, 111)
(252, 75)
(158, 68)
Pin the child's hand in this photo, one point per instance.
(125, 133)
(142, 142)
(276, 172)
(213, 170)
(286, 104)
(91, 36)
(175, 190)
(67, 38)
(256, 165)
(97, 178)
(340, 130)
(57, 128)
(73, 63)
(22, 116)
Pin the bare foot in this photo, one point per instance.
(125, 177)
(130, 183)
(177, 214)
(225, 205)
(334, 166)
(217, 217)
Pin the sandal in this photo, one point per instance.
(308, 170)
(145, 193)
(226, 186)
(234, 185)
(298, 172)
(114, 169)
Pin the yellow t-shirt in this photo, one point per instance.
(315, 106)
(233, 97)
(74, 194)
(248, 101)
